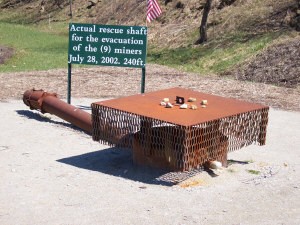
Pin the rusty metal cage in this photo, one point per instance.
(178, 147)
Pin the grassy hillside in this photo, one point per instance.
(34, 50)
(236, 32)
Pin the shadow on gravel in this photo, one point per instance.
(118, 162)
(231, 162)
(41, 118)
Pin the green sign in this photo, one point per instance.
(107, 45)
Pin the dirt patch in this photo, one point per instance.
(5, 53)
(279, 64)
(99, 82)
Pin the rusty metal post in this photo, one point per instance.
(49, 103)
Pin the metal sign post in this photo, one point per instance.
(143, 80)
(107, 45)
(69, 82)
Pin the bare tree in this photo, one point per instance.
(203, 25)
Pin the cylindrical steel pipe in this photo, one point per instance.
(49, 103)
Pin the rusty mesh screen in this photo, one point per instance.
(177, 147)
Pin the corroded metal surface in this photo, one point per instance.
(179, 139)
(49, 103)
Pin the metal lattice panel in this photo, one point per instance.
(174, 146)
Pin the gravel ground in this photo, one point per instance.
(52, 173)
(99, 82)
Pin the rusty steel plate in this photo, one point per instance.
(148, 105)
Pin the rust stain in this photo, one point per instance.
(192, 183)
(49, 103)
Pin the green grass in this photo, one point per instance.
(45, 47)
(214, 57)
(34, 49)
(254, 172)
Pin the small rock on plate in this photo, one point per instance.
(192, 99)
(169, 105)
(204, 102)
(166, 100)
(183, 106)
(194, 107)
